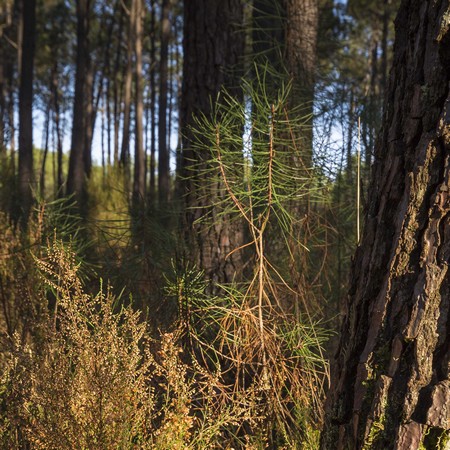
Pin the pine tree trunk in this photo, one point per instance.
(2, 98)
(213, 47)
(10, 75)
(152, 191)
(5, 11)
(26, 108)
(390, 386)
(163, 152)
(45, 149)
(90, 113)
(139, 163)
(125, 148)
(301, 44)
(57, 120)
(116, 88)
(76, 176)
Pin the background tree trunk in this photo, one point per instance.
(76, 176)
(301, 43)
(152, 190)
(163, 152)
(57, 120)
(301, 54)
(139, 158)
(213, 46)
(2, 98)
(26, 107)
(116, 88)
(390, 386)
(268, 34)
(125, 149)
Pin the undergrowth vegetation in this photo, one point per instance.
(82, 370)
(159, 355)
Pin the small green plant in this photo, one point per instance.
(259, 333)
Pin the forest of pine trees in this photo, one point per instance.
(224, 224)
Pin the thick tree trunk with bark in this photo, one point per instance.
(390, 387)
(213, 47)
(301, 43)
(301, 54)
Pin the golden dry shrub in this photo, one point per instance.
(88, 380)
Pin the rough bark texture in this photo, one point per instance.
(301, 54)
(301, 42)
(213, 46)
(390, 385)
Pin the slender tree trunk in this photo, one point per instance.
(107, 101)
(103, 129)
(57, 120)
(18, 6)
(350, 127)
(94, 95)
(390, 387)
(125, 149)
(139, 157)
(178, 65)
(384, 45)
(44, 157)
(147, 125)
(116, 89)
(11, 121)
(90, 115)
(26, 108)
(2, 97)
(76, 177)
(374, 106)
(163, 153)
(213, 47)
(153, 102)
(5, 62)
(169, 107)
